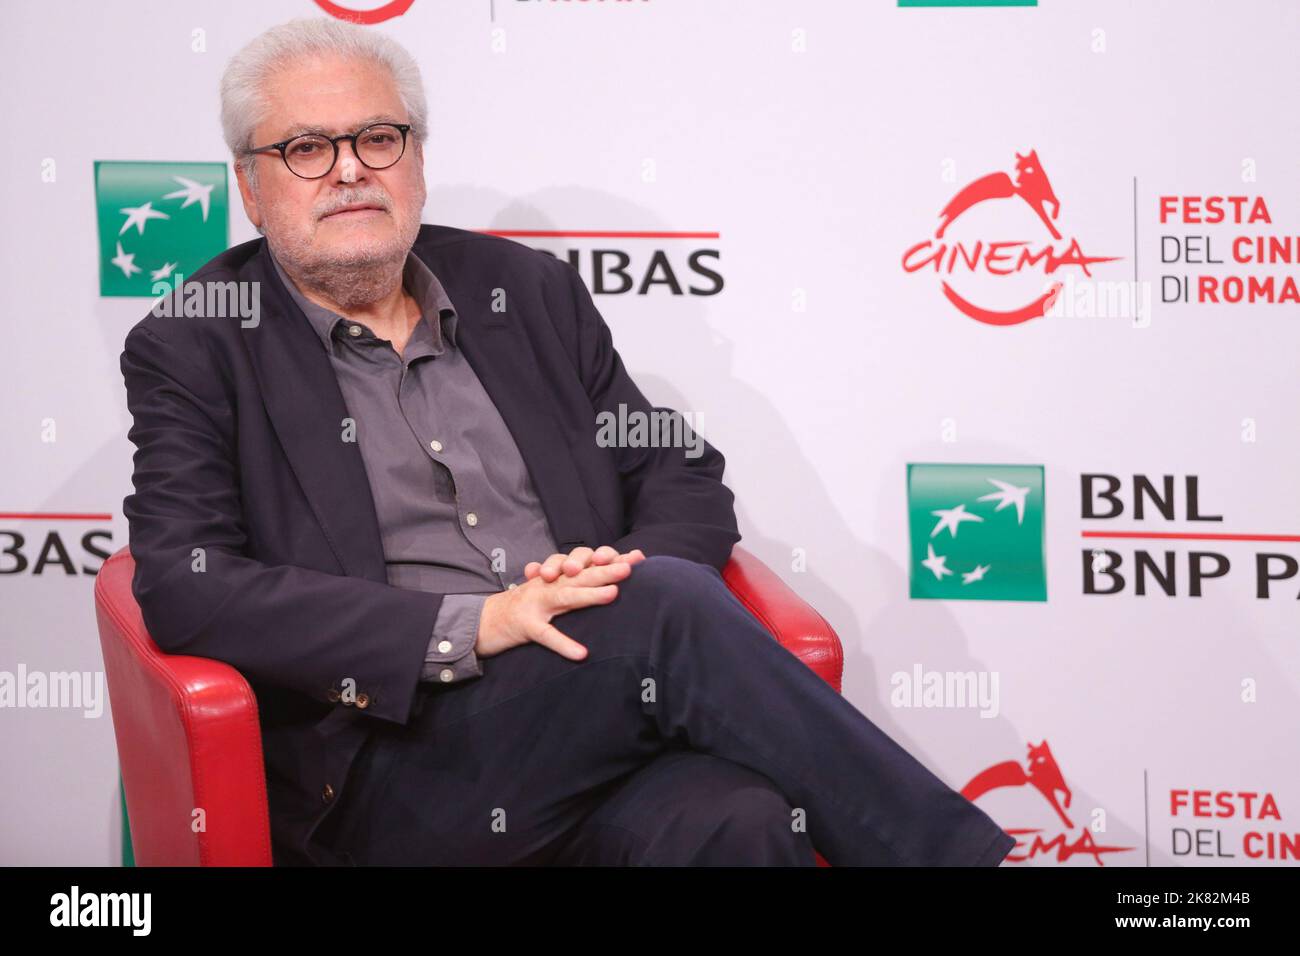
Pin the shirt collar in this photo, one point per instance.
(417, 278)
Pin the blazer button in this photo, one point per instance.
(446, 674)
(363, 701)
(334, 695)
(327, 794)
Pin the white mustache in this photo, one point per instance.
(380, 201)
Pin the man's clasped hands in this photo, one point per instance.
(563, 582)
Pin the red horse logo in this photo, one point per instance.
(1044, 776)
(1030, 184)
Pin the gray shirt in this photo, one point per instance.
(457, 510)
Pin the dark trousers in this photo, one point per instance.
(687, 736)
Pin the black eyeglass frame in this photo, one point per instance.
(282, 146)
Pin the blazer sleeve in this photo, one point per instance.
(200, 593)
(674, 504)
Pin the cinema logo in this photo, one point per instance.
(633, 263)
(997, 260)
(1171, 570)
(1230, 827)
(1041, 779)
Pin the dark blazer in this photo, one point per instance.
(252, 524)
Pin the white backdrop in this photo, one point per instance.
(819, 141)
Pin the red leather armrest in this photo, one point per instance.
(789, 618)
(187, 739)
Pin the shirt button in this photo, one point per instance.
(471, 519)
(354, 330)
(444, 646)
(511, 586)
(327, 793)
(446, 674)
(435, 445)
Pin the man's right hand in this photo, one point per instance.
(524, 613)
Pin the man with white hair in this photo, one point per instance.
(376, 501)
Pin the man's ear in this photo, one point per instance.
(246, 193)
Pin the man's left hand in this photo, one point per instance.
(576, 560)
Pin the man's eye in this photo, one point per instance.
(380, 139)
(302, 149)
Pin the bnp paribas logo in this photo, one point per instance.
(977, 532)
(157, 222)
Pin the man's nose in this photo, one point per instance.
(348, 169)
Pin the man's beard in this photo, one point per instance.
(352, 277)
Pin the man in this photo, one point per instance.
(476, 635)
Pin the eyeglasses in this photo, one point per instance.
(312, 155)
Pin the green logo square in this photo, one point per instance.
(977, 532)
(158, 221)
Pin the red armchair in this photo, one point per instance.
(188, 735)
